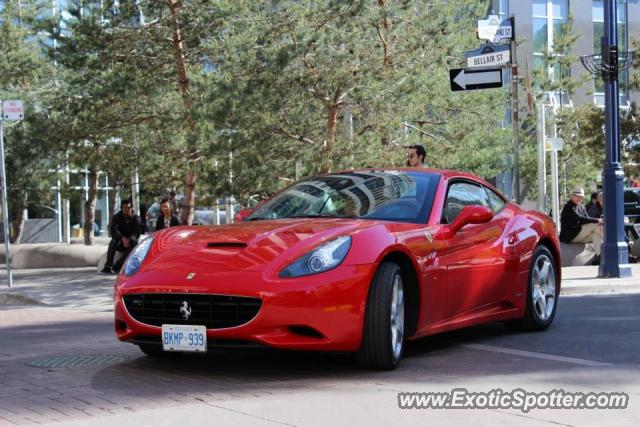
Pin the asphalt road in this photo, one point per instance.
(594, 345)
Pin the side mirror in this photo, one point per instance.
(474, 214)
(241, 215)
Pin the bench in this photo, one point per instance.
(573, 254)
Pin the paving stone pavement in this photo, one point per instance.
(31, 394)
(266, 387)
(273, 387)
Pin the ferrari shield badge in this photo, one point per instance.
(428, 235)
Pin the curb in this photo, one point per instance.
(36, 255)
(17, 299)
(600, 289)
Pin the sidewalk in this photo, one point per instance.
(71, 288)
(83, 289)
(585, 280)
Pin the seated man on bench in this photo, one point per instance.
(576, 226)
(125, 231)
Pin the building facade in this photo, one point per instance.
(538, 23)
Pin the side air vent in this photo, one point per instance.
(305, 331)
(226, 245)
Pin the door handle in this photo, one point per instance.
(512, 239)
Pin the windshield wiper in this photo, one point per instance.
(301, 216)
(313, 216)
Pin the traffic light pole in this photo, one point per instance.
(614, 261)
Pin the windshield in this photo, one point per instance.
(382, 195)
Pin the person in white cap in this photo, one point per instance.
(576, 226)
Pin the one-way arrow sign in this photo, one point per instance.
(466, 79)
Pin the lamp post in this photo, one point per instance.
(614, 261)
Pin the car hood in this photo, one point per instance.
(246, 246)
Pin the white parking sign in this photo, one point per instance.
(12, 110)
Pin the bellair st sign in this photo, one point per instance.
(489, 59)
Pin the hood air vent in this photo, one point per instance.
(226, 245)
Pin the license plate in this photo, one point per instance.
(184, 338)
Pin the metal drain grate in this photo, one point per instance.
(76, 361)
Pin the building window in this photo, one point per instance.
(598, 33)
(549, 20)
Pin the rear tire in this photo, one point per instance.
(383, 334)
(542, 293)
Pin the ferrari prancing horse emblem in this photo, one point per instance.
(190, 276)
(185, 310)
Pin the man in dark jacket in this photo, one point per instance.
(125, 231)
(576, 226)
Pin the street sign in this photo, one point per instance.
(489, 59)
(466, 79)
(486, 48)
(12, 110)
(494, 29)
(554, 144)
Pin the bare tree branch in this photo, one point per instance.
(385, 47)
(422, 131)
(293, 136)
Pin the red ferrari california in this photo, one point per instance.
(356, 261)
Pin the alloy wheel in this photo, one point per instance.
(397, 316)
(543, 287)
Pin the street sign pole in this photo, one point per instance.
(554, 189)
(514, 112)
(11, 110)
(542, 171)
(494, 52)
(556, 145)
(614, 261)
(5, 213)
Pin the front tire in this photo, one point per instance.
(383, 334)
(542, 293)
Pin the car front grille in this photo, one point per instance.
(212, 311)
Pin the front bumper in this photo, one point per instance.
(319, 312)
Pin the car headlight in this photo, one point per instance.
(137, 256)
(322, 258)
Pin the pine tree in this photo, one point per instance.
(291, 73)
